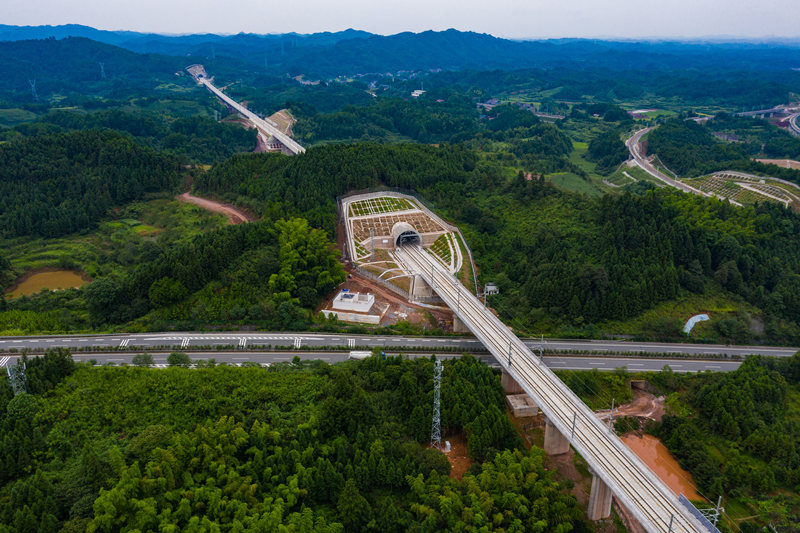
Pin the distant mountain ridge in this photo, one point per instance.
(349, 52)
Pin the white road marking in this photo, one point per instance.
(124, 343)
(185, 342)
(4, 360)
(243, 342)
(351, 343)
(297, 341)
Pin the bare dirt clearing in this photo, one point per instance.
(234, 215)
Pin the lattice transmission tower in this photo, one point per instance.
(436, 424)
(16, 377)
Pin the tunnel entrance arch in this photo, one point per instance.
(404, 233)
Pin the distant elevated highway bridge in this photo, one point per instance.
(264, 126)
(793, 126)
(616, 469)
(762, 112)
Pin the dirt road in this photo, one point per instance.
(644, 405)
(234, 215)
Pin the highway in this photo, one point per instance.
(556, 362)
(629, 479)
(244, 339)
(633, 147)
(264, 126)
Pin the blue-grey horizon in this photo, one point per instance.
(517, 19)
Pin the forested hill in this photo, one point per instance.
(690, 149)
(194, 139)
(52, 185)
(73, 65)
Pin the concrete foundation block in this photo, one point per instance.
(522, 405)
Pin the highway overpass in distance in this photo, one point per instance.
(793, 126)
(264, 126)
(616, 469)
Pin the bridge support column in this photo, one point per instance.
(420, 288)
(599, 500)
(459, 326)
(554, 442)
(509, 384)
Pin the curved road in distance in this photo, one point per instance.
(195, 340)
(793, 124)
(633, 147)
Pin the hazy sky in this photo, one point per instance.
(505, 18)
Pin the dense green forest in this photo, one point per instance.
(275, 185)
(52, 185)
(194, 139)
(430, 118)
(690, 149)
(742, 437)
(295, 447)
(560, 258)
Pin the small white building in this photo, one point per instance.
(491, 288)
(353, 301)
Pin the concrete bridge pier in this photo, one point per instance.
(555, 443)
(420, 288)
(509, 384)
(599, 499)
(459, 326)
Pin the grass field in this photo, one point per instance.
(591, 186)
(116, 244)
(13, 116)
(376, 206)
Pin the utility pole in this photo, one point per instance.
(611, 416)
(102, 71)
(372, 244)
(714, 513)
(33, 89)
(436, 423)
(540, 348)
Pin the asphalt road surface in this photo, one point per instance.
(194, 340)
(555, 362)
